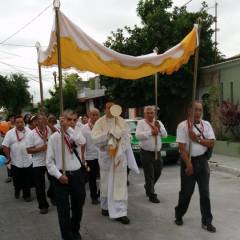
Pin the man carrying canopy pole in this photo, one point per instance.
(63, 163)
(196, 140)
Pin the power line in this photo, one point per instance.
(184, 5)
(12, 54)
(27, 24)
(27, 68)
(23, 72)
(17, 45)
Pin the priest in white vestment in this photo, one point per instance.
(111, 136)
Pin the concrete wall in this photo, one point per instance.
(227, 148)
(228, 76)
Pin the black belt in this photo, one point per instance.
(199, 157)
(70, 172)
(148, 151)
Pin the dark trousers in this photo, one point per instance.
(152, 170)
(201, 176)
(22, 180)
(50, 191)
(39, 180)
(75, 192)
(92, 178)
(9, 172)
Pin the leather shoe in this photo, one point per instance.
(154, 200)
(209, 228)
(105, 213)
(123, 220)
(43, 210)
(179, 221)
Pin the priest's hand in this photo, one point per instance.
(63, 179)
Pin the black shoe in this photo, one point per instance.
(123, 220)
(53, 201)
(209, 228)
(8, 180)
(27, 199)
(77, 236)
(179, 221)
(154, 200)
(17, 194)
(43, 211)
(95, 201)
(105, 213)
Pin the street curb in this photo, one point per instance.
(223, 168)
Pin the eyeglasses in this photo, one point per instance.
(72, 119)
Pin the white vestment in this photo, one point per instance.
(113, 170)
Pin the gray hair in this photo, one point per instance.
(147, 108)
(67, 112)
(93, 110)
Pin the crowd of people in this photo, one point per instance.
(72, 151)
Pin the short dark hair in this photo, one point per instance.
(40, 114)
(18, 116)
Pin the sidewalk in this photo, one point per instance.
(225, 164)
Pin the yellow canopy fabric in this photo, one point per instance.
(80, 51)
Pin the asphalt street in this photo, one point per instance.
(20, 220)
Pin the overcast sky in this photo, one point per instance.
(95, 17)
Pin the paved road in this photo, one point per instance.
(20, 220)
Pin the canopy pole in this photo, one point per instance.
(155, 50)
(56, 5)
(40, 76)
(195, 76)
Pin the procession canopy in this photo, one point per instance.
(80, 51)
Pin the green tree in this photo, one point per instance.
(70, 88)
(162, 28)
(14, 93)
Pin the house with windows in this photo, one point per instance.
(217, 83)
(226, 75)
(91, 94)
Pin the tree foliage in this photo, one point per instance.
(70, 87)
(14, 94)
(163, 28)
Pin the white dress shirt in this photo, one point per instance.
(34, 140)
(54, 153)
(147, 140)
(91, 151)
(19, 156)
(183, 137)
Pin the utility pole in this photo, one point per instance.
(216, 29)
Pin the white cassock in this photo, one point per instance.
(113, 170)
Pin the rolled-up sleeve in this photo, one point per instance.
(141, 133)
(163, 131)
(182, 136)
(50, 160)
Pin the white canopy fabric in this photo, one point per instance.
(80, 51)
